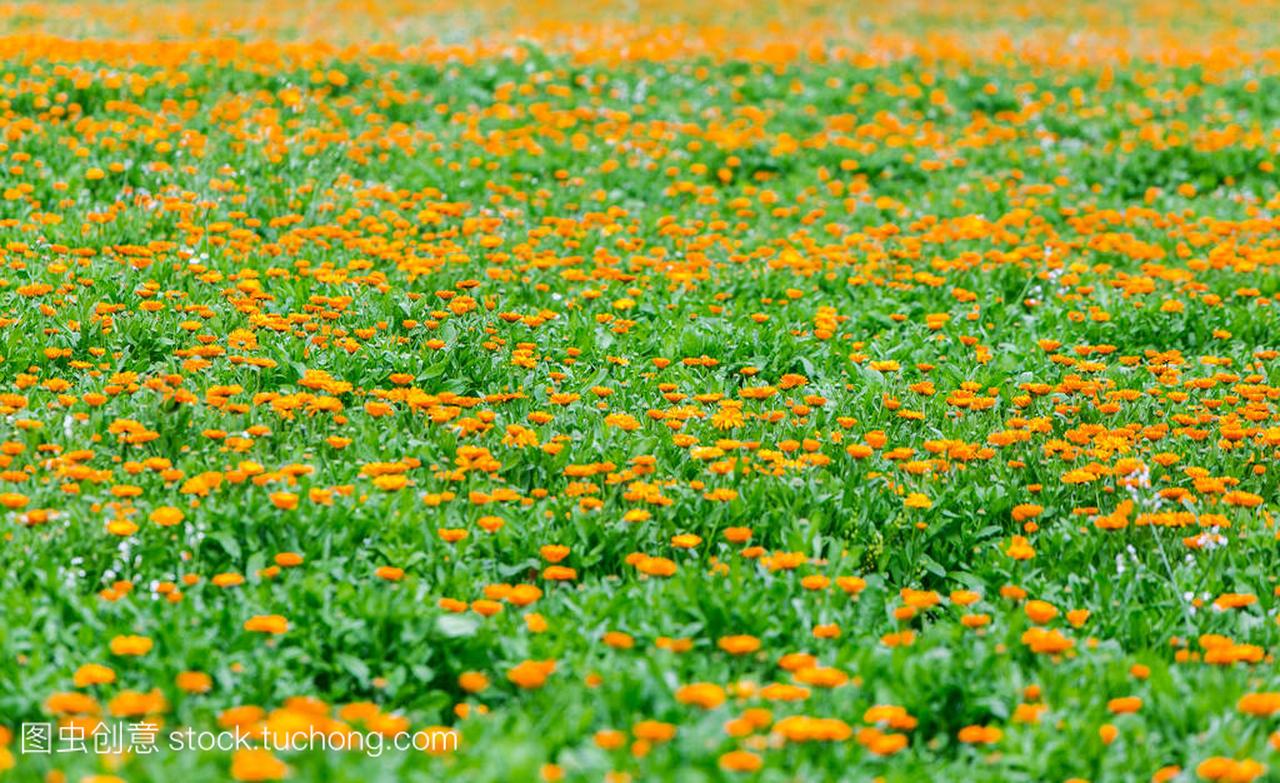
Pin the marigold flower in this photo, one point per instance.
(94, 674)
(702, 694)
(257, 764)
(741, 761)
(980, 735)
(473, 682)
(1020, 549)
(738, 645)
(194, 682)
(130, 645)
(269, 624)
(531, 674)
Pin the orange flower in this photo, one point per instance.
(980, 735)
(741, 761)
(194, 682)
(1024, 511)
(655, 566)
(619, 640)
(1230, 770)
(130, 645)
(1020, 549)
(472, 682)
(1124, 704)
(801, 728)
(531, 674)
(268, 623)
(554, 553)
(1040, 612)
(702, 694)
(1261, 705)
(918, 501)
(257, 765)
(1048, 642)
(738, 645)
(94, 674)
(654, 731)
(1108, 733)
(166, 516)
(71, 704)
(284, 501)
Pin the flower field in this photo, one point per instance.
(664, 391)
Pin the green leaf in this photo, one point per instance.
(454, 626)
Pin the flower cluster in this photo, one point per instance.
(684, 393)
